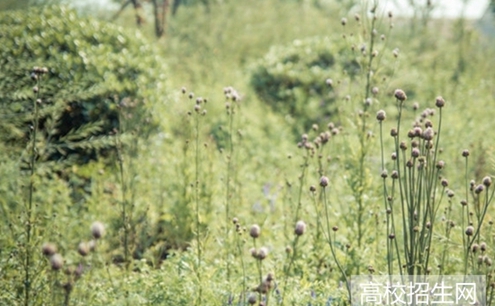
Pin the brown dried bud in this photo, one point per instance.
(487, 181)
(255, 231)
(415, 152)
(252, 299)
(440, 102)
(469, 231)
(444, 182)
(97, 230)
(400, 95)
(83, 249)
(300, 228)
(393, 132)
(380, 115)
(48, 249)
(324, 181)
(440, 164)
(465, 153)
(263, 253)
(56, 261)
(428, 134)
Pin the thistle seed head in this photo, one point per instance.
(300, 228)
(97, 230)
(56, 262)
(440, 102)
(48, 249)
(255, 231)
(470, 231)
(380, 115)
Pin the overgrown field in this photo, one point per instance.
(261, 153)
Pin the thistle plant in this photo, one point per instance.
(198, 113)
(299, 230)
(232, 100)
(324, 181)
(30, 222)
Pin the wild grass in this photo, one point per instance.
(226, 207)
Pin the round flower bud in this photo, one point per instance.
(56, 261)
(263, 252)
(400, 95)
(393, 132)
(324, 181)
(444, 182)
(97, 230)
(440, 164)
(380, 115)
(428, 134)
(255, 231)
(465, 153)
(252, 299)
(300, 228)
(48, 249)
(83, 249)
(469, 231)
(440, 102)
(343, 21)
(253, 252)
(487, 181)
(329, 82)
(479, 189)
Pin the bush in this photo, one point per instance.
(93, 68)
(291, 79)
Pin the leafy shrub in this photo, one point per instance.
(93, 68)
(291, 79)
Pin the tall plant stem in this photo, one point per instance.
(125, 222)
(29, 223)
(198, 240)
(332, 249)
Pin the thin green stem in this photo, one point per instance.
(29, 222)
(332, 247)
(197, 221)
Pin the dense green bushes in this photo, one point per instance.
(291, 79)
(93, 66)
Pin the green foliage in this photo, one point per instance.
(291, 79)
(93, 66)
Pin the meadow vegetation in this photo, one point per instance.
(261, 153)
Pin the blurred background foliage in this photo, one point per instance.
(96, 70)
